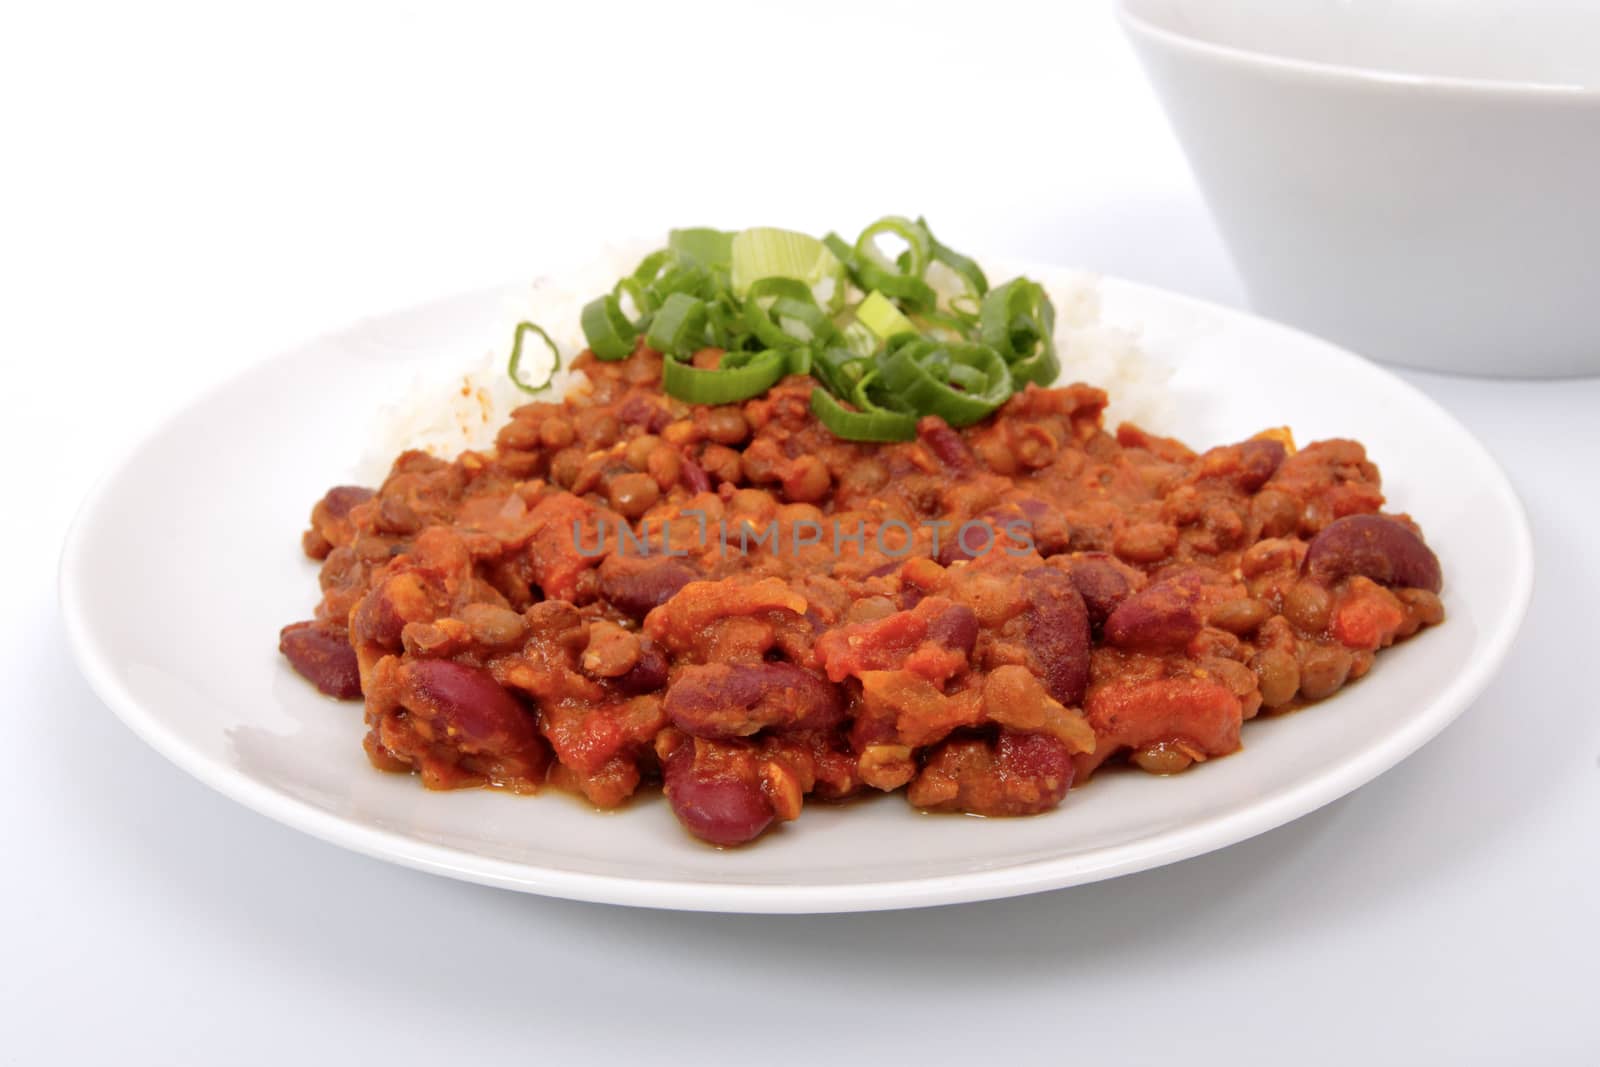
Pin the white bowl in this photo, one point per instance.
(1419, 180)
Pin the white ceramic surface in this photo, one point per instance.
(1418, 180)
(184, 562)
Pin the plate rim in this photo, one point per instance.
(993, 883)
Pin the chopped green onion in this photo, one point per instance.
(946, 325)
(914, 292)
(725, 321)
(840, 248)
(839, 368)
(878, 313)
(873, 425)
(862, 395)
(688, 277)
(739, 376)
(919, 373)
(969, 270)
(651, 266)
(1018, 321)
(523, 329)
(679, 327)
(641, 298)
(792, 316)
(607, 329)
(902, 277)
(710, 248)
(858, 339)
(765, 252)
(965, 307)
(780, 303)
(919, 245)
(969, 379)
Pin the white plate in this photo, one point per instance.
(185, 561)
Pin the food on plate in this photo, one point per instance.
(810, 519)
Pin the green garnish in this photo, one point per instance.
(878, 314)
(712, 249)
(960, 381)
(607, 329)
(865, 321)
(867, 424)
(1018, 321)
(740, 376)
(513, 368)
(679, 326)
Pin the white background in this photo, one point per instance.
(185, 189)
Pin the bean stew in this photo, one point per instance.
(736, 605)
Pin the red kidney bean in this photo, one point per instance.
(639, 410)
(723, 700)
(378, 620)
(468, 702)
(1159, 617)
(969, 540)
(1058, 634)
(384, 611)
(1101, 585)
(956, 627)
(395, 516)
(1032, 508)
(884, 569)
(1259, 460)
(1038, 758)
(649, 674)
(695, 477)
(721, 808)
(330, 523)
(1024, 520)
(634, 585)
(323, 657)
(946, 444)
(1375, 547)
(1019, 774)
(341, 498)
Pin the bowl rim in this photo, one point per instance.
(1138, 25)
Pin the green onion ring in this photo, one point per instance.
(901, 280)
(643, 300)
(919, 245)
(870, 425)
(911, 372)
(710, 248)
(523, 329)
(678, 329)
(651, 266)
(750, 374)
(839, 368)
(609, 333)
(860, 340)
(967, 268)
(1018, 321)
(792, 300)
(968, 379)
(688, 278)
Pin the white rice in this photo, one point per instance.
(462, 407)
